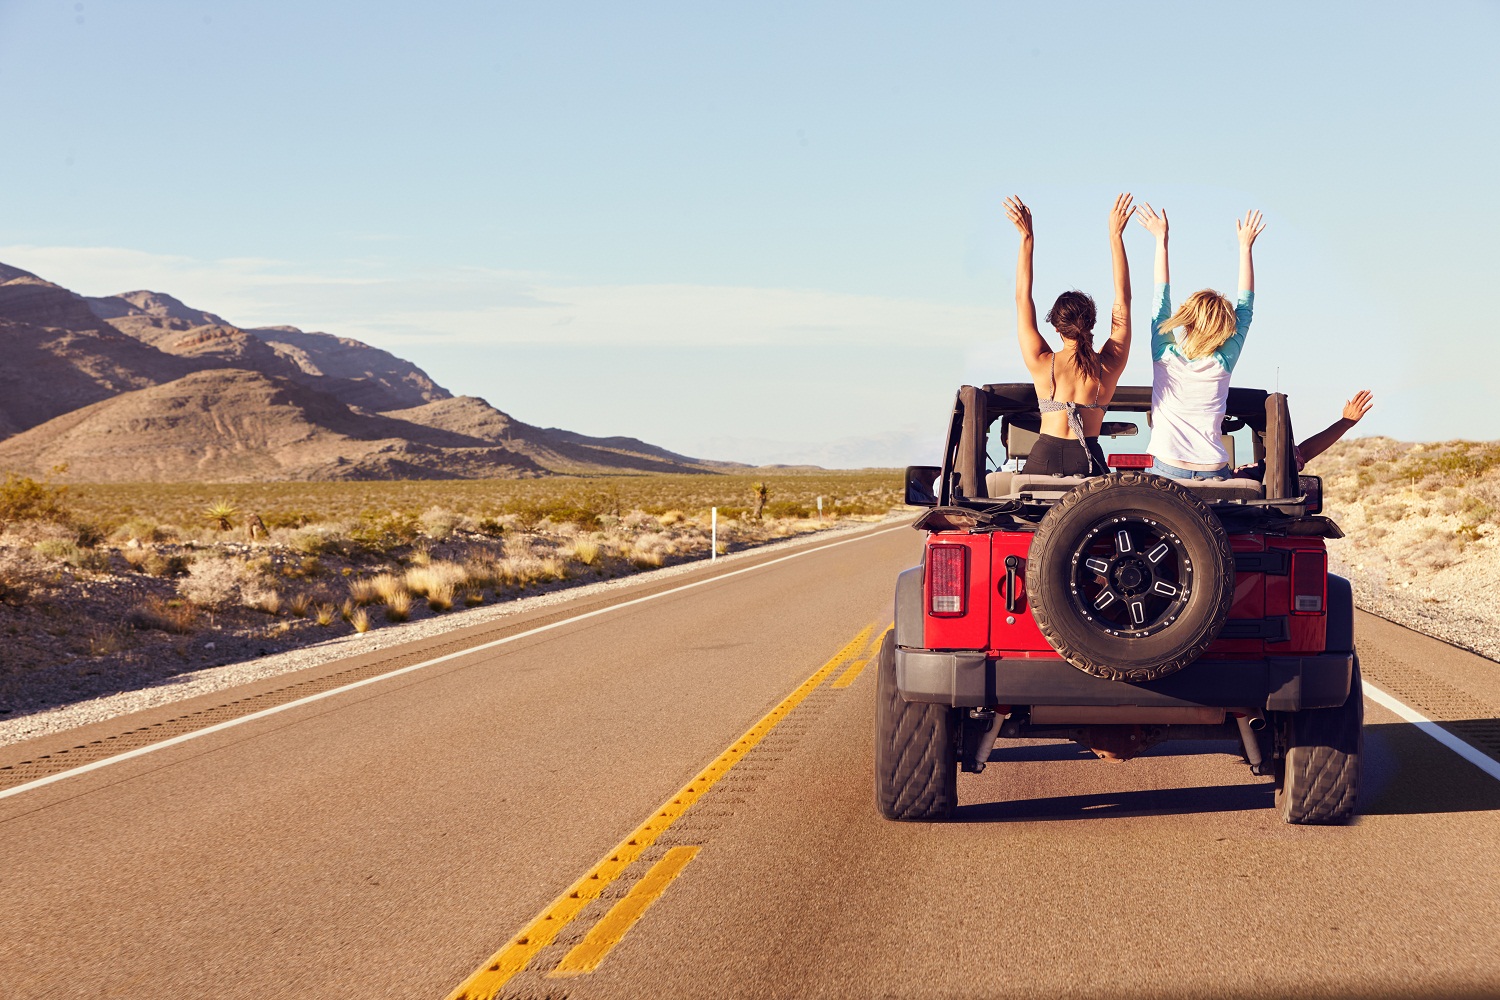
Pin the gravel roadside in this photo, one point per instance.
(218, 678)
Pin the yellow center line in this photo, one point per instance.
(588, 953)
(488, 979)
(850, 675)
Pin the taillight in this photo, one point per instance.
(1309, 581)
(1129, 461)
(947, 579)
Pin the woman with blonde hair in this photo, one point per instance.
(1077, 390)
(1193, 353)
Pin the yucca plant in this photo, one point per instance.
(221, 514)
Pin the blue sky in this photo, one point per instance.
(770, 232)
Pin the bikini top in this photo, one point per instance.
(1075, 421)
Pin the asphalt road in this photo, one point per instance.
(396, 839)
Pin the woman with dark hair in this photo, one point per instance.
(1072, 394)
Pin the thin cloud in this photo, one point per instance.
(488, 307)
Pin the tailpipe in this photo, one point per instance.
(1249, 724)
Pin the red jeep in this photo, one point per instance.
(1118, 611)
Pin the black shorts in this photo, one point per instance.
(1063, 457)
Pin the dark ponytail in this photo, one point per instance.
(1072, 315)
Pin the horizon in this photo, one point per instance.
(770, 236)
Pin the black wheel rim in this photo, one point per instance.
(1130, 576)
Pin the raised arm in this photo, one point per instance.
(1033, 347)
(1248, 229)
(1161, 297)
(1119, 319)
(1354, 410)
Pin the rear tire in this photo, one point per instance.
(1318, 782)
(916, 755)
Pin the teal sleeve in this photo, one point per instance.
(1161, 310)
(1229, 354)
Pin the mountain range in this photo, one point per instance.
(142, 387)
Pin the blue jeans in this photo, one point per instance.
(1160, 468)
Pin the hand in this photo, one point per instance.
(1251, 226)
(1017, 212)
(1155, 224)
(1358, 406)
(1120, 214)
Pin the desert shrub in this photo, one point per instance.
(473, 598)
(788, 508)
(309, 541)
(260, 597)
(438, 523)
(1438, 551)
(1453, 459)
(212, 582)
(88, 534)
(25, 499)
(300, 603)
(385, 532)
(491, 527)
(139, 530)
(162, 564)
(326, 613)
(20, 576)
(91, 560)
(671, 517)
(360, 619)
(107, 640)
(646, 556)
(178, 617)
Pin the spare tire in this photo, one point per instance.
(1130, 577)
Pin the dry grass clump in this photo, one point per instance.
(398, 606)
(261, 598)
(440, 597)
(436, 576)
(299, 604)
(177, 617)
(364, 591)
(360, 619)
(326, 613)
(585, 550)
(473, 598)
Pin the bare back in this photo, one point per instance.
(1071, 387)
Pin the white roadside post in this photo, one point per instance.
(713, 550)
(820, 508)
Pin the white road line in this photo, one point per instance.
(1478, 758)
(152, 747)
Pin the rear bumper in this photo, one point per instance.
(1275, 683)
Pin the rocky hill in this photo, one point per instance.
(141, 386)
